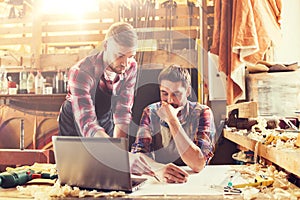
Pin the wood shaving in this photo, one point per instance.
(280, 189)
(57, 191)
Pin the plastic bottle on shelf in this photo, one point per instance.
(59, 82)
(31, 83)
(39, 83)
(3, 81)
(23, 81)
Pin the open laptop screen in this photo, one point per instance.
(93, 163)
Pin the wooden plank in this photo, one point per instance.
(81, 38)
(240, 139)
(58, 61)
(76, 27)
(25, 157)
(180, 34)
(288, 159)
(88, 16)
(245, 109)
(15, 41)
(16, 30)
(16, 20)
(35, 97)
(153, 59)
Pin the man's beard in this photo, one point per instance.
(119, 69)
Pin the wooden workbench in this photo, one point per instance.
(198, 186)
(207, 184)
(288, 159)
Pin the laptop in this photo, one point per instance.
(94, 163)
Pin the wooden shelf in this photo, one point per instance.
(26, 157)
(288, 159)
(31, 96)
(46, 102)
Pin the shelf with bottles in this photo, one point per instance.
(33, 81)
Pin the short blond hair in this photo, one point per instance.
(123, 33)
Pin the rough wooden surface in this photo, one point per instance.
(285, 158)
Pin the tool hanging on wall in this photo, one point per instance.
(146, 9)
(170, 7)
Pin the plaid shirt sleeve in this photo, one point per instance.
(79, 84)
(143, 140)
(205, 135)
(124, 103)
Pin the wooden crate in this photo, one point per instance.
(277, 93)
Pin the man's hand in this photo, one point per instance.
(139, 165)
(101, 134)
(142, 164)
(173, 174)
(167, 112)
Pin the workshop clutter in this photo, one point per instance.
(275, 130)
(243, 157)
(40, 181)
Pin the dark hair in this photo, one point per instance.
(123, 33)
(175, 73)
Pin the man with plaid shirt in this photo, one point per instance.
(176, 130)
(101, 88)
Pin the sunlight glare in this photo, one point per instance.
(75, 7)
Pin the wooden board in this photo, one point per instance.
(25, 157)
(245, 109)
(276, 93)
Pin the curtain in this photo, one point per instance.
(243, 31)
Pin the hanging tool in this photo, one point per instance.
(170, 7)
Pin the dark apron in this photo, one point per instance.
(68, 126)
